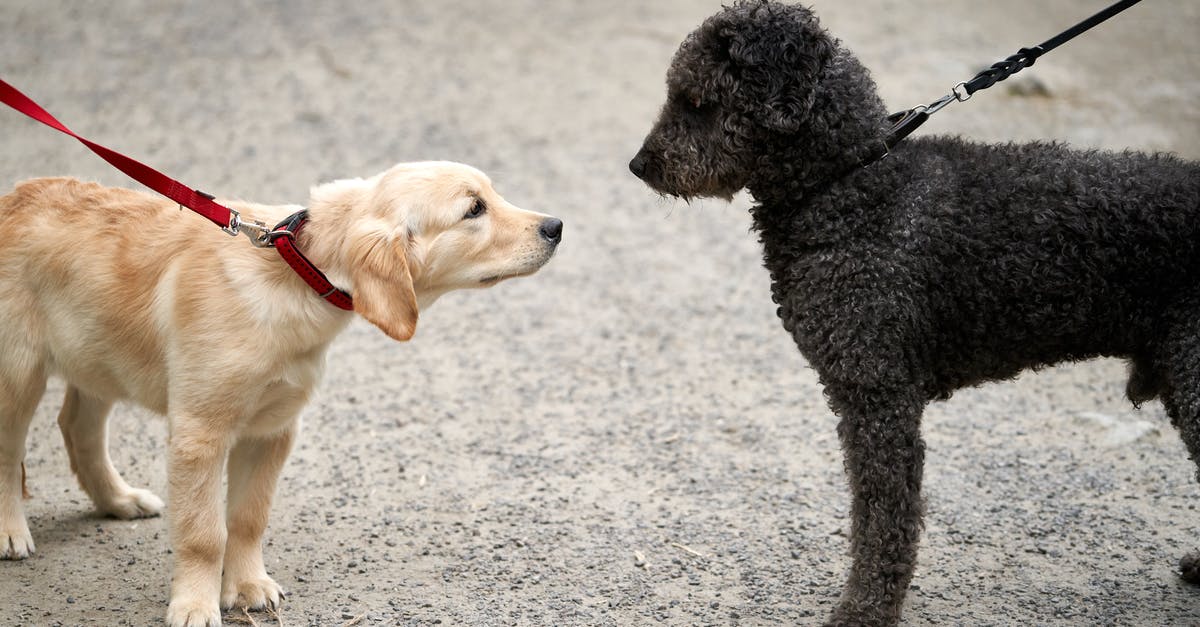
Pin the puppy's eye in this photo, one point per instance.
(477, 209)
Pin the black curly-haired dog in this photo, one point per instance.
(944, 265)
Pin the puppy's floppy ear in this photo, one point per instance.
(383, 284)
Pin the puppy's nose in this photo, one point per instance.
(638, 164)
(551, 230)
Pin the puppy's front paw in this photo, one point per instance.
(254, 593)
(186, 613)
(15, 542)
(134, 504)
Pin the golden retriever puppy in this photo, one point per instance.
(127, 297)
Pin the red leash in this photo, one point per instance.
(228, 219)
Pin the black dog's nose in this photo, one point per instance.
(551, 229)
(638, 164)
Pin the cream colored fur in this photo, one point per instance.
(125, 296)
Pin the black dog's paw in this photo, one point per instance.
(858, 622)
(848, 618)
(1189, 567)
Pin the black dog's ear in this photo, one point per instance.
(777, 53)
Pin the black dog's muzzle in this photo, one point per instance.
(640, 164)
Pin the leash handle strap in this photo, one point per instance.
(195, 200)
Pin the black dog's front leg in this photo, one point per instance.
(884, 453)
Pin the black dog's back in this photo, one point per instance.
(1009, 256)
(1037, 253)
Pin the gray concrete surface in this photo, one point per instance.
(628, 438)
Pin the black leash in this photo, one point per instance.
(905, 122)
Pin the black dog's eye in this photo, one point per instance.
(694, 105)
(477, 209)
(688, 101)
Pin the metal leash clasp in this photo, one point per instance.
(963, 95)
(958, 94)
(906, 122)
(257, 232)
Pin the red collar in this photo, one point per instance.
(283, 238)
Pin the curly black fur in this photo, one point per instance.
(946, 264)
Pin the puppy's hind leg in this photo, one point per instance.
(884, 457)
(19, 395)
(83, 421)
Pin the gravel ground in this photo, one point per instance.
(628, 438)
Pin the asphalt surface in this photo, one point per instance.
(629, 437)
